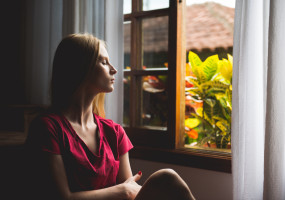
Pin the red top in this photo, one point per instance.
(85, 170)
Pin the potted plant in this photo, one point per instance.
(209, 84)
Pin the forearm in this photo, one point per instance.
(117, 192)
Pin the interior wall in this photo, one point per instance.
(11, 79)
(204, 184)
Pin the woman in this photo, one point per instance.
(85, 154)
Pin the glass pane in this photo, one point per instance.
(127, 6)
(209, 39)
(127, 44)
(126, 117)
(153, 5)
(155, 42)
(154, 102)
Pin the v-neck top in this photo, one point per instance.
(85, 170)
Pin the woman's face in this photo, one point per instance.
(102, 76)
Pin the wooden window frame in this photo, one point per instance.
(166, 145)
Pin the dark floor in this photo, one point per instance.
(12, 165)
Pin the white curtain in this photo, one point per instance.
(114, 39)
(258, 130)
(83, 16)
(47, 21)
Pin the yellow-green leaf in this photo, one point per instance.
(199, 111)
(210, 66)
(226, 69)
(192, 122)
(230, 58)
(194, 59)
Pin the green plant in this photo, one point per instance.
(211, 84)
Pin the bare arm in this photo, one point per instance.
(125, 171)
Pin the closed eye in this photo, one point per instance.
(104, 62)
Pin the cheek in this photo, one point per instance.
(101, 78)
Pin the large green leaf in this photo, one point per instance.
(210, 109)
(225, 69)
(196, 66)
(210, 66)
(199, 73)
(213, 88)
(227, 113)
(194, 59)
(224, 126)
(226, 110)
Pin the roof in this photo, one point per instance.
(208, 26)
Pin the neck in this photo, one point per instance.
(80, 109)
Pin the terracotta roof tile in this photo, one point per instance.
(208, 26)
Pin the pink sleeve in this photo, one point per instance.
(44, 135)
(124, 143)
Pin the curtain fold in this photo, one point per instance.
(42, 34)
(46, 22)
(258, 88)
(83, 16)
(114, 40)
(274, 180)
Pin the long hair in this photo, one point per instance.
(75, 57)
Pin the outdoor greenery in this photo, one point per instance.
(208, 101)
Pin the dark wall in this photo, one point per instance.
(11, 93)
(11, 76)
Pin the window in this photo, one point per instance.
(208, 89)
(155, 73)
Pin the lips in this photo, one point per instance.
(112, 80)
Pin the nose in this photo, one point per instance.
(113, 70)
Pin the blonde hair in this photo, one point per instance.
(98, 105)
(75, 57)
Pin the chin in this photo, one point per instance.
(106, 89)
(109, 90)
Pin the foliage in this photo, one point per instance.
(210, 82)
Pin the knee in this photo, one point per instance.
(170, 183)
(165, 176)
(166, 173)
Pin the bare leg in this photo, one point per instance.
(165, 184)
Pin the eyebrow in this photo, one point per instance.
(103, 57)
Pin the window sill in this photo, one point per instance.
(202, 159)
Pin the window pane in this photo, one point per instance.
(153, 5)
(155, 42)
(127, 6)
(127, 44)
(154, 102)
(208, 91)
(126, 117)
